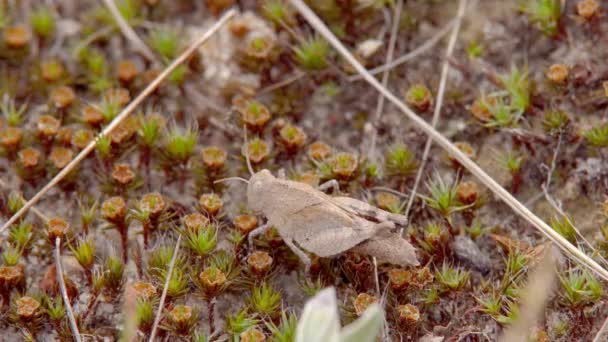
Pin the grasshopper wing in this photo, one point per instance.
(326, 230)
(368, 211)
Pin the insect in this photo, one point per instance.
(308, 219)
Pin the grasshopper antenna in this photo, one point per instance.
(249, 167)
(231, 178)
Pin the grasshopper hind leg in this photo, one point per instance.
(300, 253)
(256, 232)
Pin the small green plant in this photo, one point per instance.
(580, 288)
(42, 21)
(597, 136)
(510, 315)
(474, 50)
(165, 42)
(278, 12)
(11, 256)
(54, 308)
(544, 14)
(113, 274)
(476, 230)
(517, 84)
(312, 53)
(565, 228)
(180, 143)
(400, 161)
(241, 321)
(178, 284)
(202, 241)
(511, 162)
(144, 313)
(84, 252)
(491, 304)
(443, 197)
(452, 278)
(149, 131)
(286, 331)
(88, 214)
(21, 235)
(12, 114)
(265, 300)
(103, 147)
(555, 121)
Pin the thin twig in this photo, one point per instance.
(389, 58)
(410, 55)
(64, 292)
(120, 117)
(35, 210)
(164, 294)
(437, 112)
(297, 75)
(128, 32)
(465, 161)
(600, 334)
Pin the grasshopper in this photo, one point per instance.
(307, 218)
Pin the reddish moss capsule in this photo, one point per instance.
(10, 137)
(310, 178)
(61, 156)
(123, 174)
(259, 262)
(399, 279)
(465, 148)
(142, 290)
(467, 192)
(587, 9)
(259, 47)
(114, 209)
(63, 97)
(153, 203)
(387, 201)
(16, 37)
(27, 308)
(64, 135)
(29, 157)
(257, 149)
(195, 222)
(119, 96)
(218, 6)
(255, 114)
(362, 302)
(211, 203)
(57, 228)
(292, 137)
(181, 316)
(214, 157)
(48, 126)
(319, 150)
(212, 279)
(558, 73)
(52, 70)
(419, 96)
(81, 138)
(422, 278)
(123, 132)
(245, 223)
(344, 165)
(126, 71)
(481, 108)
(11, 276)
(252, 334)
(92, 115)
(408, 314)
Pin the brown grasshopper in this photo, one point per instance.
(325, 225)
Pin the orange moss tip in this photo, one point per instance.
(51, 70)
(195, 222)
(319, 150)
(558, 73)
(81, 138)
(399, 279)
(60, 156)
(408, 314)
(127, 70)
(92, 115)
(153, 203)
(27, 307)
(211, 203)
(387, 201)
(114, 209)
(465, 148)
(260, 47)
(64, 135)
(119, 96)
(344, 165)
(142, 290)
(467, 192)
(419, 96)
(292, 137)
(123, 174)
(362, 302)
(310, 178)
(57, 228)
(260, 262)
(181, 314)
(63, 97)
(254, 113)
(48, 126)
(10, 137)
(29, 157)
(587, 9)
(257, 150)
(218, 6)
(212, 279)
(11, 276)
(16, 37)
(245, 223)
(214, 157)
(252, 334)
(480, 109)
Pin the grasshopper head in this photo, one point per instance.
(258, 184)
